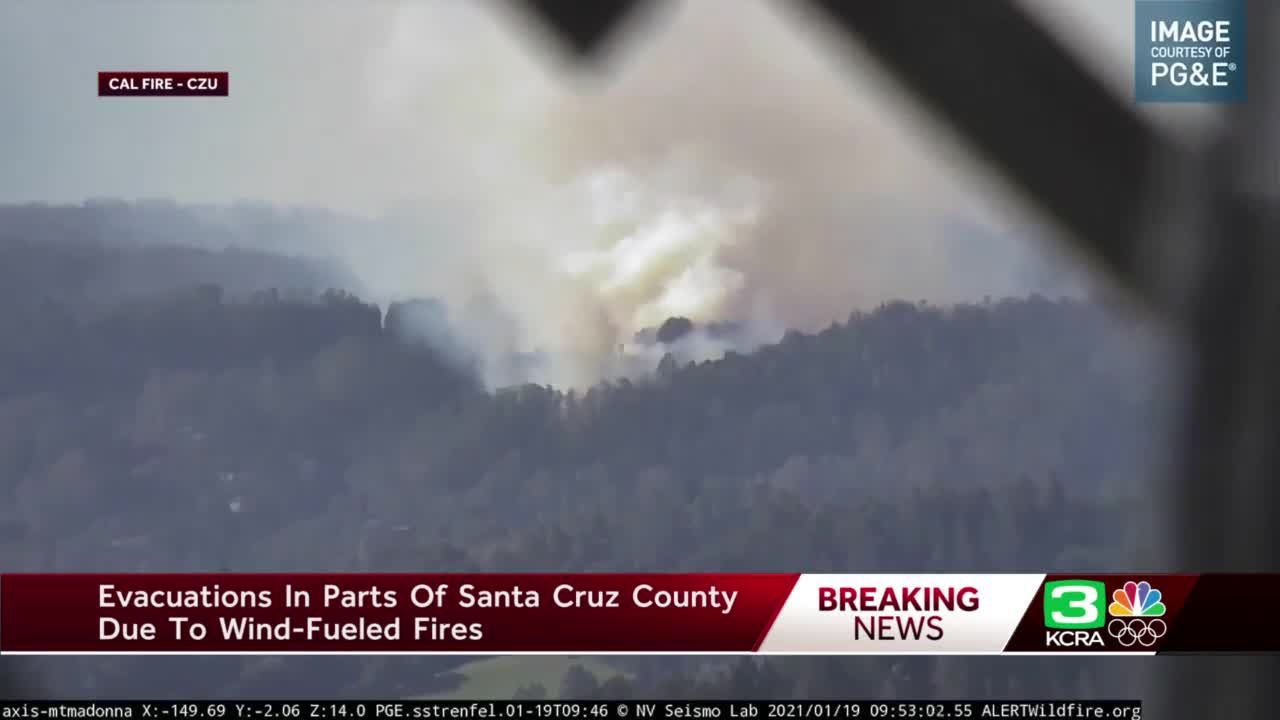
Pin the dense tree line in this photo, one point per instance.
(195, 429)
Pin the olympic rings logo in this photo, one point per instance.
(1137, 631)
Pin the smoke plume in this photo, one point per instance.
(730, 167)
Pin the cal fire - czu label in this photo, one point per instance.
(163, 84)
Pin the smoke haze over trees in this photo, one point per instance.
(195, 407)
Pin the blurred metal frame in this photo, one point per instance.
(1175, 226)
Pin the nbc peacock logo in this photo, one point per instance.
(1136, 612)
(1136, 599)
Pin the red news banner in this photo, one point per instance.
(164, 84)
(805, 614)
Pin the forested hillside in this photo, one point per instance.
(192, 428)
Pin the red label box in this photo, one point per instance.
(164, 84)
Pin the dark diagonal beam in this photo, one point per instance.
(1029, 108)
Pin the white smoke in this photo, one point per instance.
(655, 249)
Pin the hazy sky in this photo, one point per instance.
(302, 88)
(730, 165)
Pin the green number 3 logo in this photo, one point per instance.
(1074, 604)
